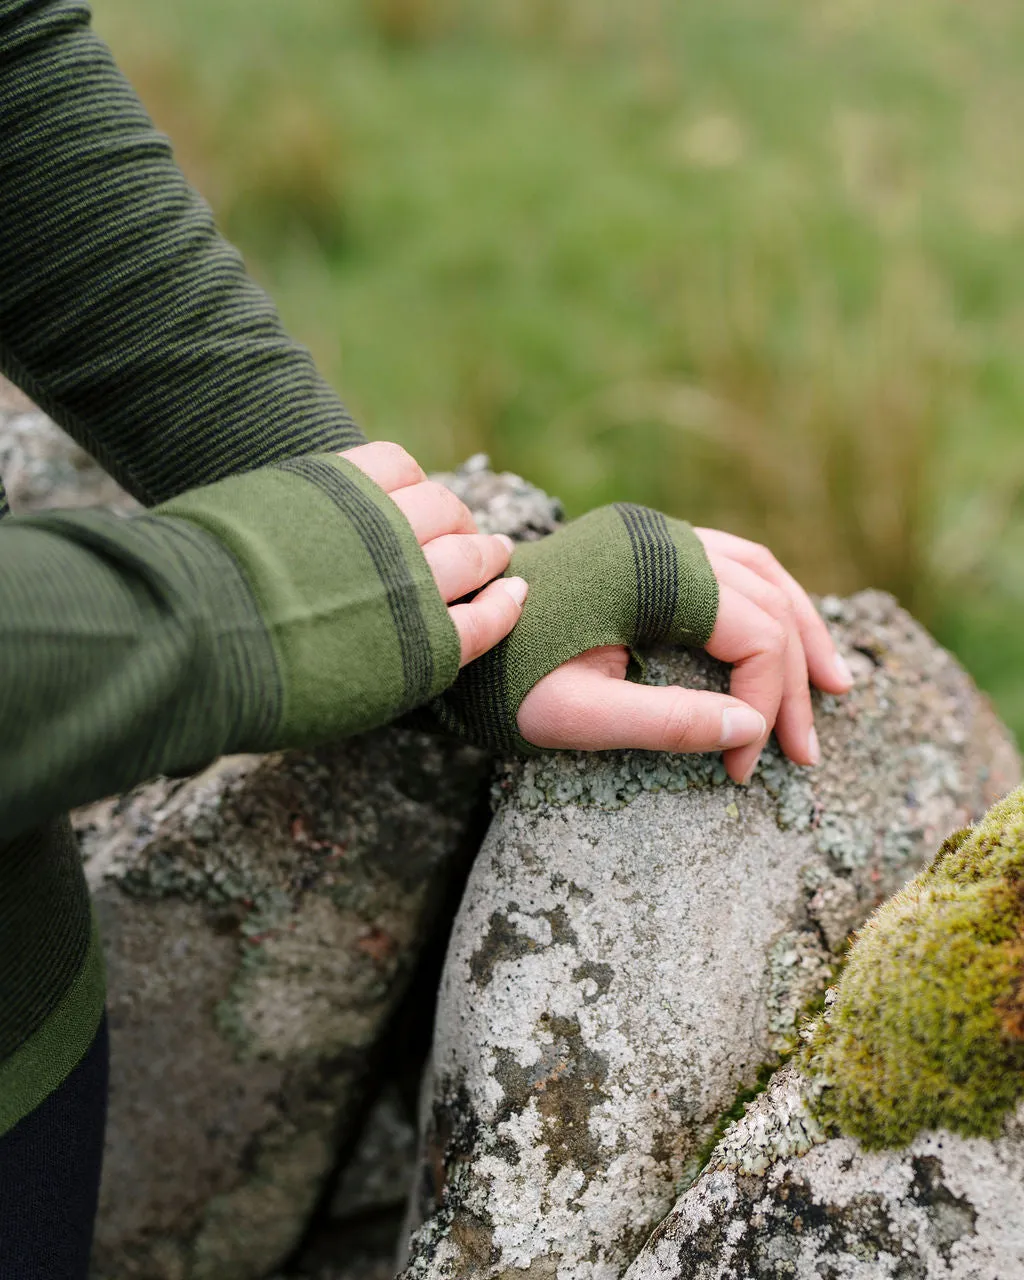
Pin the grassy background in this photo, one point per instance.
(759, 265)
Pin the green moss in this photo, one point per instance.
(927, 1026)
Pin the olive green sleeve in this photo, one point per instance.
(123, 313)
(620, 575)
(285, 607)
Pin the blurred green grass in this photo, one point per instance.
(759, 265)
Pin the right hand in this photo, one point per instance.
(461, 559)
(767, 628)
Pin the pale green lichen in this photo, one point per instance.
(798, 970)
(780, 1124)
(607, 781)
(927, 1026)
(614, 779)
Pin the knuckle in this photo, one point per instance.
(399, 462)
(778, 604)
(474, 560)
(768, 562)
(444, 496)
(682, 724)
(394, 453)
(775, 640)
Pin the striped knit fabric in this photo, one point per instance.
(123, 313)
(622, 575)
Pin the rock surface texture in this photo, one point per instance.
(41, 467)
(778, 1200)
(639, 938)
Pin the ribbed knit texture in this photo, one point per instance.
(127, 648)
(621, 575)
(357, 625)
(123, 313)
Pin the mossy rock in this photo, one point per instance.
(926, 1029)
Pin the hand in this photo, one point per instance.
(767, 628)
(460, 559)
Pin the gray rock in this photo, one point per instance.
(261, 921)
(503, 502)
(778, 1199)
(42, 467)
(378, 1176)
(639, 937)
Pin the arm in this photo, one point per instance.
(123, 313)
(285, 607)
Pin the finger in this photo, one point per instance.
(755, 643)
(826, 665)
(596, 711)
(489, 618)
(794, 725)
(386, 464)
(433, 510)
(462, 562)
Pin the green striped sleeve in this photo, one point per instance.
(123, 313)
(283, 607)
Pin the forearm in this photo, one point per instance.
(272, 610)
(123, 312)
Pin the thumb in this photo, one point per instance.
(584, 709)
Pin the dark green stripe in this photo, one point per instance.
(657, 570)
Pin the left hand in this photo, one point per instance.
(767, 628)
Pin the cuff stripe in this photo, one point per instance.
(389, 559)
(657, 571)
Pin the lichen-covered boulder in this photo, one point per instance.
(639, 937)
(893, 1146)
(779, 1200)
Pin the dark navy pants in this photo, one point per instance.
(50, 1176)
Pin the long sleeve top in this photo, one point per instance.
(242, 611)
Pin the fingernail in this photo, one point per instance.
(750, 772)
(813, 749)
(516, 587)
(741, 725)
(506, 542)
(843, 670)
